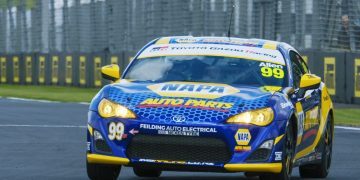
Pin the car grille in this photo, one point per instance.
(259, 155)
(179, 148)
(101, 146)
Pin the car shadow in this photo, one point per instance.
(225, 177)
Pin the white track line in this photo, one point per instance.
(348, 128)
(41, 126)
(39, 100)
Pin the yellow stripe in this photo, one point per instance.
(90, 129)
(298, 109)
(164, 40)
(325, 106)
(270, 45)
(103, 159)
(278, 139)
(265, 167)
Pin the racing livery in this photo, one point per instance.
(213, 104)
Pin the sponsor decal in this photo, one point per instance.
(190, 103)
(177, 162)
(270, 65)
(243, 137)
(270, 88)
(242, 148)
(230, 41)
(312, 118)
(194, 90)
(318, 155)
(161, 48)
(185, 40)
(178, 130)
(301, 117)
(88, 144)
(278, 156)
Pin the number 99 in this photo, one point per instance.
(278, 73)
(275, 72)
(266, 71)
(116, 131)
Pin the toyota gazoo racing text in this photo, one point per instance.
(213, 104)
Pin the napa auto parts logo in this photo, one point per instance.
(193, 90)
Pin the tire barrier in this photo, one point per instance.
(340, 71)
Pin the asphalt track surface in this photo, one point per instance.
(48, 140)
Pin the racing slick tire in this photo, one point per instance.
(102, 171)
(142, 172)
(321, 170)
(288, 156)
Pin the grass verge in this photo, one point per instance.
(346, 116)
(53, 93)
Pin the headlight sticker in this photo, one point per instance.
(242, 137)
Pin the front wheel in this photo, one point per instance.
(321, 170)
(287, 158)
(102, 171)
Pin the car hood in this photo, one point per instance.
(187, 102)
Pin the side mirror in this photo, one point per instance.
(111, 72)
(309, 81)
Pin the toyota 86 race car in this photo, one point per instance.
(212, 104)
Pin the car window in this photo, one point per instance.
(212, 69)
(297, 68)
(303, 64)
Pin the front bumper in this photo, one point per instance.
(258, 167)
(227, 133)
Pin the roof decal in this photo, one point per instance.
(164, 40)
(270, 45)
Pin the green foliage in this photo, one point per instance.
(29, 4)
(55, 93)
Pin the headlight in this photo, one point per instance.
(259, 117)
(109, 109)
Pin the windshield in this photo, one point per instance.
(208, 69)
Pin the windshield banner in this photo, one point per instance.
(233, 51)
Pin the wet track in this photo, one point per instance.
(48, 140)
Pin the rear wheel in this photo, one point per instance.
(287, 158)
(321, 170)
(102, 171)
(143, 172)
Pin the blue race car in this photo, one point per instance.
(213, 104)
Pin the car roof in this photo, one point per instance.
(260, 43)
